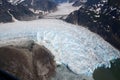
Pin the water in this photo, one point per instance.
(112, 73)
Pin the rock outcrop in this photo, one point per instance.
(44, 5)
(78, 2)
(9, 12)
(27, 63)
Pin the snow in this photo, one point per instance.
(63, 9)
(76, 47)
(13, 18)
(15, 2)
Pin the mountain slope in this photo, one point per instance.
(102, 18)
(10, 10)
(45, 5)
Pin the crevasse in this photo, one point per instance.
(76, 47)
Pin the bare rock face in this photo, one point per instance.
(24, 10)
(10, 12)
(35, 63)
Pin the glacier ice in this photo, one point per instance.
(76, 47)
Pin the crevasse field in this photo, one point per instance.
(76, 47)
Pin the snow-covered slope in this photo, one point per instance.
(76, 47)
(63, 9)
(15, 2)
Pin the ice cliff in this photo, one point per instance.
(79, 49)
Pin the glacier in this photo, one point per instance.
(81, 50)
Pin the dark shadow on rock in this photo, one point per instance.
(32, 63)
(112, 73)
(6, 76)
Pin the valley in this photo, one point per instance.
(77, 50)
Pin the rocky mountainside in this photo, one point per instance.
(44, 5)
(85, 2)
(70, 1)
(100, 17)
(78, 2)
(60, 1)
(11, 10)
